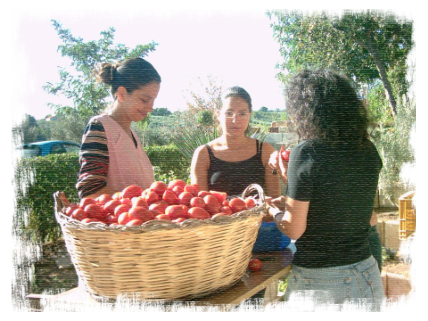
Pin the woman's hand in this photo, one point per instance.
(274, 206)
(278, 164)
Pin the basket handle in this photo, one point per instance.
(60, 201)
(254, 187)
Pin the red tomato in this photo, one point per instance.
(227, 210)
(135, 222)
(159, 206)
(139, 201)
(95, 211)
(79, 214)
(197, 202)
(151, 197)
(140, 213)
(220, 196)
(250, 202)
(154, 212)
(126, 201)
(191, 189)
(237, 205)
(131, 191)
(103, 199)
(255, 265)
(202, 194)
(211, 204)
(111, 219)
(219, 214)
(144, 193)
(185, 210)
(121, 209)
(158, 187)
(285, 154)
(116, 196)
(170, 197)
(225, 203)
(178, 190)
(86, 201)
(70, 209)
(176, 182)
(110, 206)
(163, 217)
(123, 218)
(196, 187)
(174, 211)
(199, 213)
(185, 198)
(87, 220)
(179, 220)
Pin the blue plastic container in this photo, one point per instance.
(270, 238)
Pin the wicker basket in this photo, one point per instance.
(161, 260)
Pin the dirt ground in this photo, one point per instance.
(16, 283)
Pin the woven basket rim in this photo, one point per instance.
(153, 225)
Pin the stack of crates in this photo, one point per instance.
(413, 205)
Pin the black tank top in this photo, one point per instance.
(234, 177)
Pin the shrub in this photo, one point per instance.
(36, 179)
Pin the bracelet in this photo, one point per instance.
(276, 214)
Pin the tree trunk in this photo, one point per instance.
(374, 52)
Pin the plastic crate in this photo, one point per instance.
(407, 215)
(270, 238)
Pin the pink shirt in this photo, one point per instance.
(127, 164)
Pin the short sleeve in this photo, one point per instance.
(301, 171)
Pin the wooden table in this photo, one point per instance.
(275, 265)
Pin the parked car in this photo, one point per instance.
(49, 147)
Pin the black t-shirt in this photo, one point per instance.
(340, 182)
(234, 177)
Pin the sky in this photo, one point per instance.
(230, 40)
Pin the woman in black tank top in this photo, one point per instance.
(233, 161)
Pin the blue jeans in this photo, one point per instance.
(335, 287)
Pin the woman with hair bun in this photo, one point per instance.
(111, 155)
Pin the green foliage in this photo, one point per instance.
(161, 112)
(392, 140)
(364, 45)
(168, 163)
(16, 129)
(88, 97)
(38, 178)
(34, 287)
(187, 139)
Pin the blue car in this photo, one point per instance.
(49, 147)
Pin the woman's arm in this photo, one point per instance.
(199, 168)
(94, 161)
(292, 221)
(272, 183)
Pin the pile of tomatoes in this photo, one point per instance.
(175, 201)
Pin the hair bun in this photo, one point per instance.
(107, 73)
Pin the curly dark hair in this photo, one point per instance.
(323, 104)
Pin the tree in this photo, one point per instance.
(364, 45)
(206, 97)
(89, 98)
(264, 109)
(162, 111)
(16, 129)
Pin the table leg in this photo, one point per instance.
(59, 314)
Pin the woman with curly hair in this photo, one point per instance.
(332, 181)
